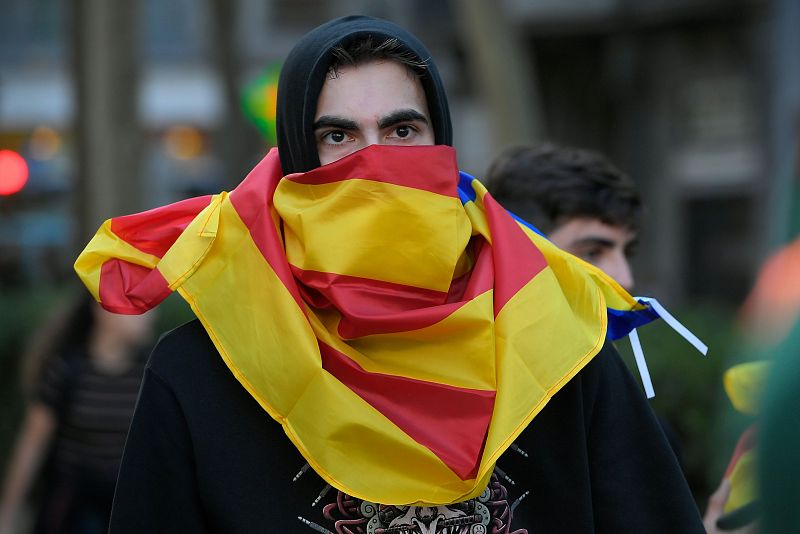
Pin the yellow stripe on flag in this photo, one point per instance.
(480, 226)
(191, 247)
(529, 339)
(237, 296)
(358, 215)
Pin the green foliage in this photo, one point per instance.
(20, 312)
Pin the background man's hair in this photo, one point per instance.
(547, 185)
(368, 49)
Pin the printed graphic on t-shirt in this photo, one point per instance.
(488, 513)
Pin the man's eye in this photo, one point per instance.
(335, 137)
(592, 254)
(402, 132)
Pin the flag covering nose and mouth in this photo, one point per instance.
(398, 322)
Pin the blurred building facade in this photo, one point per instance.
(680, 93)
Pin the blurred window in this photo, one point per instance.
(32, 30)
(175, 30)
(299, 13)
(719, 241)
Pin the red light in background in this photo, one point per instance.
(13, 172)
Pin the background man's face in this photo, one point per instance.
(379, 102)
(603, 245)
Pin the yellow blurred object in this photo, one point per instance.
(744, 384)
(183, 142)
(45, 143)
(743, 480)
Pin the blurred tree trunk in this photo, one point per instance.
(108, 137)
(236, 141)
(503, 70)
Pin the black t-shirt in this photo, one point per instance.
(94, 410)
(203, 456)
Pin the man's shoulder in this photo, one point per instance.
(181, 350)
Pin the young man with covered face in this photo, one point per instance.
(365, 358)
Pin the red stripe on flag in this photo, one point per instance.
(154, 231)
(252, 200)
(375, 307)
(516, 259)
(416, 166)
(451, 422)
(129, 288)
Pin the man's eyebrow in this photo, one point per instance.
(401, 115)
(593, 240)
(331, 121)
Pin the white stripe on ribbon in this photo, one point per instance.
(676, 325)
(636, 345)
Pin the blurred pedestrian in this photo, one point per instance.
(77, 419)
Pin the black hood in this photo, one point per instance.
(303, 75)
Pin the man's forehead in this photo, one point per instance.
(380, 72)
(375, 88)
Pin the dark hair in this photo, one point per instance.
(66, 329)
(547, 185)
(367, 49)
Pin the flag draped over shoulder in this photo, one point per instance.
(398, 322)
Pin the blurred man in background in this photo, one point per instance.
(582, 202)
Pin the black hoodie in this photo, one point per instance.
(304, 72)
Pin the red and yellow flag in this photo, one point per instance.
(398, 322)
